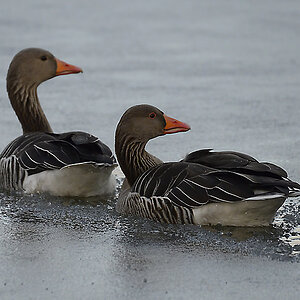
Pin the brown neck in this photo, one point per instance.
(26, 105)
(132, 157)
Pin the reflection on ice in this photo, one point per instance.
(95, 215)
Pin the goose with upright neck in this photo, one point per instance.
(66, 164)
(206, 188)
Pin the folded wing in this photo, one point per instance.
(37, 152)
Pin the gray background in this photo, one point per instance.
(230, 69)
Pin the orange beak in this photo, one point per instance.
(173, 125)
(64, 68)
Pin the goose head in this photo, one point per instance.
(144, 122)
(33, 66)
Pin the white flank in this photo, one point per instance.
(242, 213)
(82, 180)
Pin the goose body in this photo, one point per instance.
(206, 188)
(66, 164)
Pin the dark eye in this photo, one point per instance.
(152, 115)
(43, 57)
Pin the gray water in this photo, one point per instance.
(230, 69)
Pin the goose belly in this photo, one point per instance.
(243, 213)
(84, 180)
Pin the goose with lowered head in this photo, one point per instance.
(206, 188)
(65, 164)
